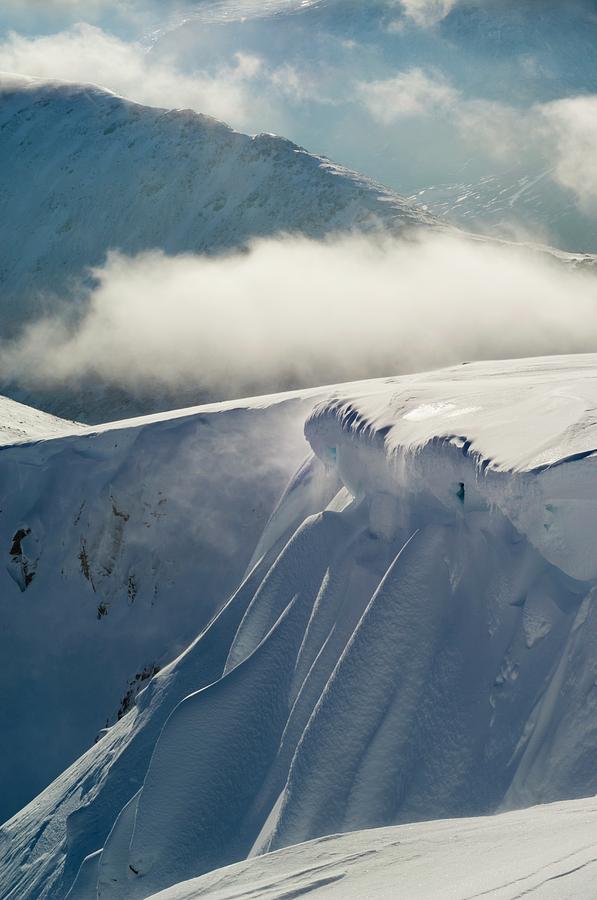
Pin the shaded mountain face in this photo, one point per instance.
(414, 640)
(117, 545)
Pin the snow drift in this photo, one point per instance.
(118, 544)
(546, 851)
(415, 639)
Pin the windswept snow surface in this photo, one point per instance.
(513, 203)
(21, 424)
(547, 852)
(415, 639)
(118, 544)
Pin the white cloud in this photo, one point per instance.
(411, 93)
(295, 311)
(427, 12)
(295, 84)
(560, 136)
(573, 124)
(80, 7)
(86, 53)
(492, 127)
(499, 130)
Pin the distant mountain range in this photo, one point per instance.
(512, 205)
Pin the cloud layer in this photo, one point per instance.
(296, 312)
(411, 93)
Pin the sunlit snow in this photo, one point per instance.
(413, 640)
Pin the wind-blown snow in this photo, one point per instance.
(119, 542)
(547, 851)
(21, 424)
(414, 639)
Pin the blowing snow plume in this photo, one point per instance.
(295, 312)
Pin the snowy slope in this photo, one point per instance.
(84, 171)
(119, 543)
(547, 851)
(513, 203)
(415, 639)
(21, 424)
(234, 10)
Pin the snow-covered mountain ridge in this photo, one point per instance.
(415, 639)
(519, 54)
(85, 171)
(21, 424)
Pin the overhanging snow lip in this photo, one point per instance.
(541, 477)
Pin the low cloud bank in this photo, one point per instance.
(296, 312)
